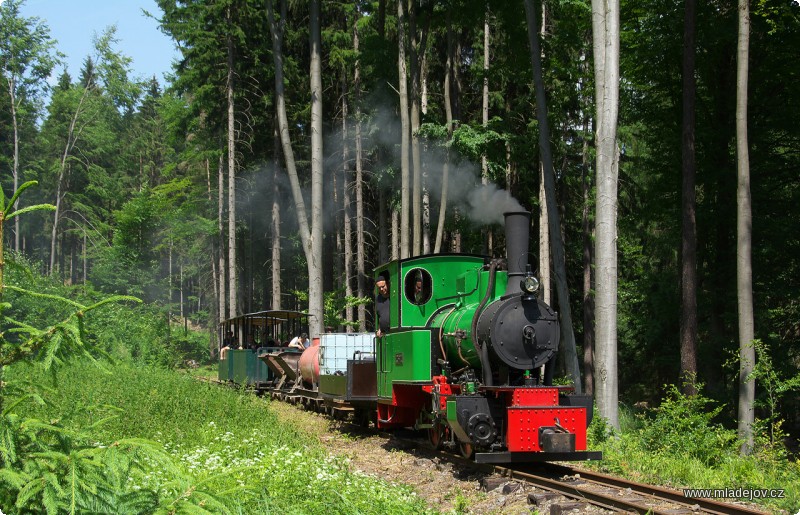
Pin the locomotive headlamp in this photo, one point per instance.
(530, 284)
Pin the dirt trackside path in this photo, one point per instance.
(443, 487)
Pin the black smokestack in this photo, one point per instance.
(518, 225)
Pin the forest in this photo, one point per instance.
(299, 144)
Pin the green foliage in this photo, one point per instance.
(335, 304)
(772, 389)
(599, 431)
(212, 439)
(8, 207)
(682, 425)
(45, 465)
(678, 443)
(27, 53)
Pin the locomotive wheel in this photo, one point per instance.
(466, 450)
(436, 436)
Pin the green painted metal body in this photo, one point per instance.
(407, 352)
(224, 369)
(455, 322)
(244, 366)
(403, 356)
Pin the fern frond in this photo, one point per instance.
(8, 444)
(24, 186)
(45, 296)
(12, 478)
(20, 325)
(51, 493)
(113, 298)
(28, 209)
(29, 490)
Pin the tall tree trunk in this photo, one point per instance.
(405, 172)
(605, 29)
(346, 206)
(416, 160)
(276, 223)
(744, 234)
(544, 224)
(544, 240)
(62, 170)
(15, 164)
(361, 267)
(395, 235)
(559, 260)
(311, 241)
(488, 243)
(180, 292)
(688, 329)
(588, 239)
(213, 344)
(426, 194)
(448, 110)
(221, 229)
(314, 253)
(232, 276)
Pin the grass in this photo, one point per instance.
(219, 444)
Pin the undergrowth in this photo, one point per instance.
(680, 444)
(214, 448)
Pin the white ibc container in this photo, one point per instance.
(337, 348)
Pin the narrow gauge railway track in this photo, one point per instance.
(582, 487)
(617, 493)
(585, 487)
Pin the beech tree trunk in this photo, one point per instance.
(416, 159)
(276, 223)
(346, 206)
(232, 276)
(744, 234)
(314, 245)
(223, 290)
(448, 110)
(605, 30)
(15, 163)
(488, 239)
(72, 138)
(311, 237)
(361, 267)
(688, 328)
(405, 139)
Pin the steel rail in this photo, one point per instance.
(641, 498)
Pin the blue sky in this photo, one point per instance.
(74, 22)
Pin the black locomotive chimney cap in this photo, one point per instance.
(517, 225)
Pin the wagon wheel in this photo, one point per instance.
(362, 418)
(466, 450)
(436, 436)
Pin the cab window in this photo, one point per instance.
(418, 286)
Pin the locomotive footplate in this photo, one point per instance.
(522, 457)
